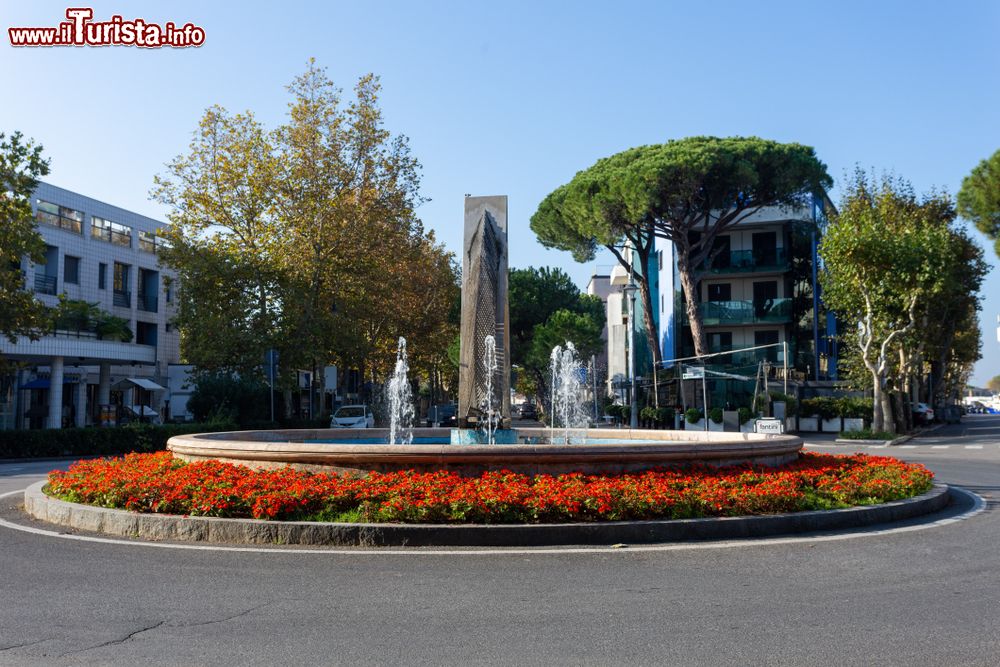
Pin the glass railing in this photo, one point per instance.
(747, 358)
(45, 284)
(746, 261)
(766, 311)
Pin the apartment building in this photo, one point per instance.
(103, 255)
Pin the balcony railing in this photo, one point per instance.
(148, 302)
(767, 311)
(747, 261)
(123, 299)
(45, 284)
(746, 358)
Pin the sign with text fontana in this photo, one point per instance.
(769, 426)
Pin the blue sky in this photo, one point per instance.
(515, 97)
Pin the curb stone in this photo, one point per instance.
(159, 527)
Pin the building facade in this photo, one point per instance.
(104, 255)
(759, 290)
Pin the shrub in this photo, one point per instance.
(648, 413)
(226, 397)
(823, 406)
(97, 441)
(665, 416)
(693, 415)
(746, 414)
(791, 404)
(868, 434)
(855, 408)
(715, 414)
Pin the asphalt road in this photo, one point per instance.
(915, 597)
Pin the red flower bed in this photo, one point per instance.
(159, 483)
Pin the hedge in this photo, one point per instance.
(96, 441)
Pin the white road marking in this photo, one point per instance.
(973, 446)
(979, 504)
(940, 446)
(907, 447)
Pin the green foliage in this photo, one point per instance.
(21, 165)
(791, 404)
(80, 316)
(745, 415)
(648, 413)
(979, 198)
(994, 383)
(715, 414)
(825, 407)
(867, 434)
(224, 397)
(669, 190)
(97, 441)
(855, 408)
(693, 415)
(305, 239)
(665, 416)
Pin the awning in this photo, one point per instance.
(45, 383)
(142, 383)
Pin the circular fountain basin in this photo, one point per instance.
(594, 451)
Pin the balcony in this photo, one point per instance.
(123, 299)
(747, 261)
(45, 284)
(745, 358)
(148, 302)
(769, 311)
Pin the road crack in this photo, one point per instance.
(223, 620)
(113, 642)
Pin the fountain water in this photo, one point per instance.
(492, 416)
(567, 394)
(400, 400)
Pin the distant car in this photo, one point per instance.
(923, 413)
(353, 416)
(443, 415)
(527, 411)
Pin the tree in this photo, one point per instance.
(21, 165)
(547, 309)
(884, 254)
(687, 192)
(305, 239)
(979, 198)
(993, 384)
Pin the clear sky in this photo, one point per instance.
(515, 97)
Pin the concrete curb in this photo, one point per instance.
(156, 527)
(882, 443)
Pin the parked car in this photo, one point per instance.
(353, 416)
(922, 413)
(527, 411)
(444, 415)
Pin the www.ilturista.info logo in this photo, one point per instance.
(80, 30)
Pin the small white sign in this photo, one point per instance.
(769, 426)
(693, 373)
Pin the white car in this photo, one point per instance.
(353, 416)
(923, 413)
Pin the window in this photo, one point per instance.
(721, 252)
(122, 295)
(102, 276)
(766, 338)
(59, 216)
(147, 241)
(764, 296)
(71, 270)
(720, 292)
(112, 232)
(145, 333)
(765, 248)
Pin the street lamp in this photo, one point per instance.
(629, 291)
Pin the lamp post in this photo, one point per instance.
(629, 291)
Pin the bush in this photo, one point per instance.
(224, 397)
(825, 407)
(715, 414)
(97, 441)
(693, 415)
(868, 434)
(855, 408)
(648, 414)
(665, 416)
(746, 414)
(791, 404)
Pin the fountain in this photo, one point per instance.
(400, 400)
(567, 394)
(485, 440)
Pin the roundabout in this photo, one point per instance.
(918, 592)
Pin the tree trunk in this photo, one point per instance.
(691, 302)
(888, 423)
(652, 335)
(878, 416)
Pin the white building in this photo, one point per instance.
(103, 255)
